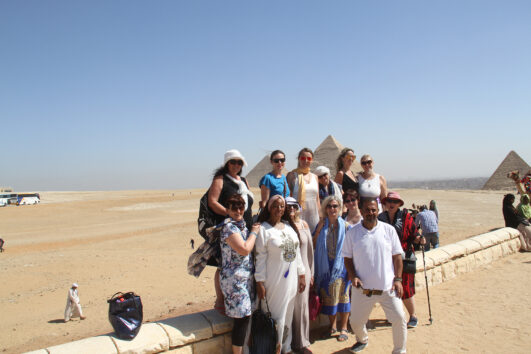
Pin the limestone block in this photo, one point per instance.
(502, 234)
(513, 233)
(220, 324)
(227, 337)
(209, 346)
(506, 249)
(186, 329)
(38, 351)
(420, 263)
(455, 250)
(438, 256)
(151, 339)
(462, 264)
(483, 257)
(420, 281)
(436, 276)
(448, 271)
(497, 252)
(515, 244)
(182, 350)
(100, 344)
(485, 240)
(471, 246)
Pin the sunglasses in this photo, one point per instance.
(332, 206)
(237, 206)
(349, 200)
(393, 201)
(305, 158)
(293, 206)
(279, 160)
(236, 162)
(368, 162)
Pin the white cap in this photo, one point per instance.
(322, 170)
(74, 285)
(233, 155)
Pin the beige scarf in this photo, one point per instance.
(301, 195)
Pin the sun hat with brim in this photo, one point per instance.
(292, 201)
(321, 171)
(393, 196)
(233, 155)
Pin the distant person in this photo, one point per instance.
(2, 245)
(226, 182)
(433, 207)
(427, 221)
(371, 184)
(350, 200)
(192, 242)
(373, 259)
(523, 208)
(344, 176)
(73, 306)
(274, 183)
(305, 188)
(408, 235)
(512, 219)
(326, 185)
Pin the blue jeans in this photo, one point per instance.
(432, 240)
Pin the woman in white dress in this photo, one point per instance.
(371, 184)
(279, 270)
(305, 188)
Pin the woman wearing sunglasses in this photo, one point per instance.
(227, 181)
(305, 188)
(274, 183)
(301, 313)
(344, 176)
(371, 184)
(280, 273)
(237, 269)
(330, 273)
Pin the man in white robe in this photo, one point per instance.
(73, 306)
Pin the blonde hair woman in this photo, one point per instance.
(371, 184)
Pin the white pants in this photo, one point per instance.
(72, 310)
(361, 307)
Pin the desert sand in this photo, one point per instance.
(139, 241)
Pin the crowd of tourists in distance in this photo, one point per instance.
(342, 236)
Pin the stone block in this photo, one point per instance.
(438, 256)
(182, 350)
(515, 244)
(151, 339)
(420, 263)
(483, 257)
(455, 250)
(100, 344)
(186, 329)
(497, 252)
(485, 240)
(209, 346)
(227, 348)
(462, 265)
(448, 271)
(38, 351)
(436, 276)
(513, 233)
(502, 234)
(220, 324)
(471, 246)
(420, 281)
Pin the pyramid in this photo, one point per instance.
(326, 155)
(262, 168)
(499, 180)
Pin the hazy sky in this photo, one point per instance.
(150, 94)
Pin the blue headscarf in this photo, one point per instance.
(322, 270)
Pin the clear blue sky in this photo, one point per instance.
(149, 94)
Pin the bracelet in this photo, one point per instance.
(397, 279)
(253, 233)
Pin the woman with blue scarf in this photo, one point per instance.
(331, 277)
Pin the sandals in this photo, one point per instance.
(343, 336)
(330, 333)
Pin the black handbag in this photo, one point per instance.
(410, 262)
(264, 335)
(125, 314)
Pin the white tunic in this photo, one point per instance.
(310, 210)
(278, 264)
(370, 188)
(73, 307)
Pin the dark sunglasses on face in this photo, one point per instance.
(305, 158)
(237, 206)
(294, 206)
(368, 162)
(332, 206)
(236, 162)
(393, 201)
(349, 200)
(279, 160)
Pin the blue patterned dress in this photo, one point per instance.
(236, 275)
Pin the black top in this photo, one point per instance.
(512, 219)
(349, 183)
(230, 188)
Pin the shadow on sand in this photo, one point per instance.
(59, 320)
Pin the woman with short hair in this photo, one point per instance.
(274, 182)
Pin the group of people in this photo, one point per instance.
(519, 218)
(312, 232)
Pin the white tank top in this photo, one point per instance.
(369, 187)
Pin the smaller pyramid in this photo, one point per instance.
(499, 180)
(326, 155)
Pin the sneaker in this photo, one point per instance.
(358, 347)
(413, 321)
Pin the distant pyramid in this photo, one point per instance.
(326, 155)
(499, 180)
(262, 168)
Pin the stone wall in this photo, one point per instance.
(209, 332)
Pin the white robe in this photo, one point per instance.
(276, 252)
(73, 307)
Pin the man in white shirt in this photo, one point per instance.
(373, 259)
(73, 306)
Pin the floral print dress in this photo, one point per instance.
(236, 276)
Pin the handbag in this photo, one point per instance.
(409, 261)
(264, 336)
(314, 304)
(125, 314)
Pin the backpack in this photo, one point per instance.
(206, 217)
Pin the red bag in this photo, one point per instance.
(314, 304)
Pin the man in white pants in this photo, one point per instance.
(73, 307)
(373, 259)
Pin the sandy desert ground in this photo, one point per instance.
(139, 241)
